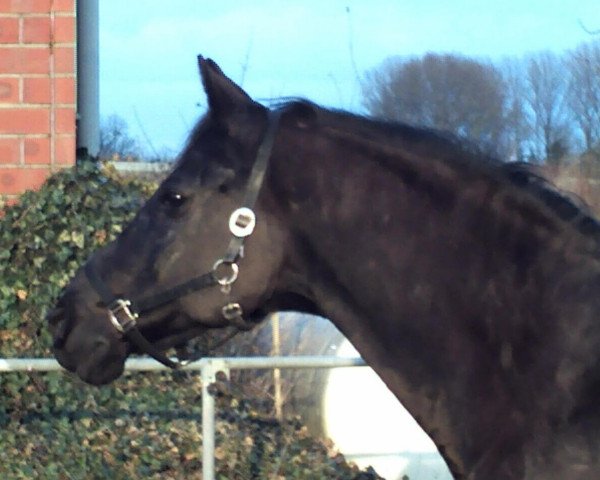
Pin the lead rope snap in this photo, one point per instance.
(233, 313)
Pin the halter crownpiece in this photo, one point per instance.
(124, 313)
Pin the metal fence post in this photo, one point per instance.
(209, 369)
(208, 422)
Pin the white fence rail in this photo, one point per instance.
(209, 368)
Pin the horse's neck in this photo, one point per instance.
(424, 299)
(364, 244)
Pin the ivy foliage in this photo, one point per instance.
(143, 425)
(47, 236)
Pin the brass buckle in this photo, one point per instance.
(121, 316)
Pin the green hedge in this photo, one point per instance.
(143, 425)
(47, 236)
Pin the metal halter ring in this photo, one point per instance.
(225, 280)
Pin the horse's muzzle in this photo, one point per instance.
(96, 358)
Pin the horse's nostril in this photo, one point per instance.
(55, 315)
(60, 330)
(101, 345)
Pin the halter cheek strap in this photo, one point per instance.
(124, 313)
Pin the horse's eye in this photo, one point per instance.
(172, 199)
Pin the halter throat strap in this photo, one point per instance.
(123, 313)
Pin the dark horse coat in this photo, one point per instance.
(469, 285)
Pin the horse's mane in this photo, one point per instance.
(460, 155)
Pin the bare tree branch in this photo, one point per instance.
(351, 47)
(583, 66)
(145, 133)
(246, 63)
(116, 141)
(546, 97)
(587, 30)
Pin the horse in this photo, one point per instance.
(470, 285)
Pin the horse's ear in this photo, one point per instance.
(224, 96)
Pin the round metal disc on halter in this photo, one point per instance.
(242, 222)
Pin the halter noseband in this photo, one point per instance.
(123, 313)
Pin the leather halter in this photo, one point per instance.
(123, 313)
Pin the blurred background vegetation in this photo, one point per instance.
(541, 108)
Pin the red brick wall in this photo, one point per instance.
(37, 91)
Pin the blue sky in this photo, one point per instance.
(275, 48)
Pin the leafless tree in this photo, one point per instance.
(448, 92)
(518, 127)
(584, 92)
(546, 101)
(116, 141)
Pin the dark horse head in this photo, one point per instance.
(469, 285)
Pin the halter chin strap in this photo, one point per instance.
(124, 313)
